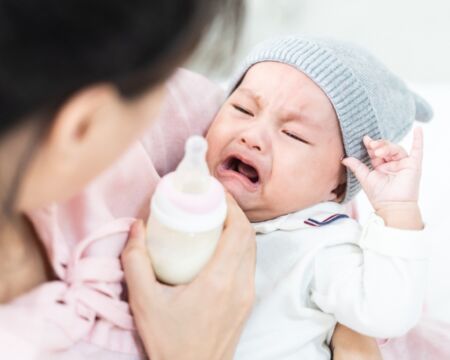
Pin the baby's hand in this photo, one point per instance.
(395, 177)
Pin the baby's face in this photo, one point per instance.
(275, 144)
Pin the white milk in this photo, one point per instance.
(188, 210)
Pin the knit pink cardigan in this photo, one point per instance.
(81, 315)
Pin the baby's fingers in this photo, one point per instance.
(390, 152)
(393, 167)
(358, 168)
(417, 146)
(371, 145)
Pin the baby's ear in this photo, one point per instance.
(338, 193)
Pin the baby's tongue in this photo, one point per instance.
(247, 170)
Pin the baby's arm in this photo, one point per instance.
(374, 289)
(378, 287)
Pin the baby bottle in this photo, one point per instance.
(188, 210)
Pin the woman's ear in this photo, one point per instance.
(77, 117)
(75, 148)
(89, 132)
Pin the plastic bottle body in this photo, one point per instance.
(177, 256)
(187, 213)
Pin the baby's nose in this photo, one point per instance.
(251, 143)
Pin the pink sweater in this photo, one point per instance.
(82, 315)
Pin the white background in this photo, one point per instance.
(412, 37)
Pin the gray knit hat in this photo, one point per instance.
(367, 97)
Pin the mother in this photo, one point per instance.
(79, 81)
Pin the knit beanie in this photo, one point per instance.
(367, 97)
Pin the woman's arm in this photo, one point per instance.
(349, 345)
(201, 320)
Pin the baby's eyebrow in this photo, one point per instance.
(252, 94)
(297, 115)
(292, 114)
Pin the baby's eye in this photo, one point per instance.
(243, 110)
(293, 136)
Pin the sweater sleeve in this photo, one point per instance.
(190, 106)
(377, 285)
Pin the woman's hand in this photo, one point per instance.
(349, 345)
(201, 320)
(393, 185)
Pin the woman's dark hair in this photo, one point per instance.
(51, 48)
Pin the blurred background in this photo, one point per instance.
(412, 37)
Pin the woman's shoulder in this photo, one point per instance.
(196, 88)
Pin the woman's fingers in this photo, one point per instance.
(136, 262)
(230, 274)
(237, 240)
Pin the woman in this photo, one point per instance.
(79, 81)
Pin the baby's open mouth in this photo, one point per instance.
(247, 170)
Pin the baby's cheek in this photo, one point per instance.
(215, 130)
(212, 156)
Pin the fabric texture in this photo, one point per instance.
(429, 340)
(367, 97)
(83, 314)
(311, 272)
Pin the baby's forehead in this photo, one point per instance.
(284, 88)
(264, 70)
(268, 79)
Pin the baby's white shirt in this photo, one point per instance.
(312, 272)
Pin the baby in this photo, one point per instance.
(299, 110)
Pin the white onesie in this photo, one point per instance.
(317, 267)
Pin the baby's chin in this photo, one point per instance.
(243, 200)
(257, 215)
(263, 212)
(251, 203)
(255, 211)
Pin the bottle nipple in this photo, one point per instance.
(192, 174)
